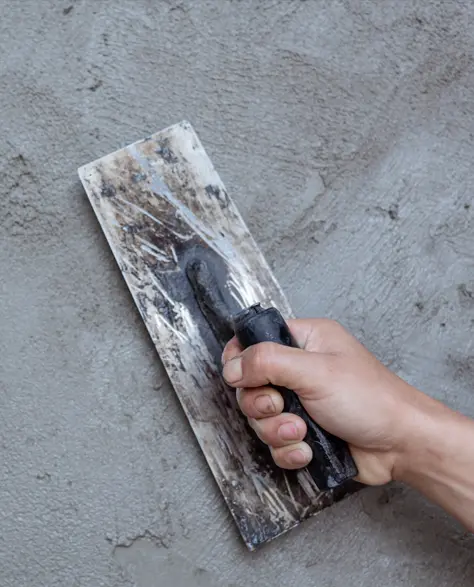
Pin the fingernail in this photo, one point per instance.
(233, 370)
(264, 404)
(288, 431)
(298, 457)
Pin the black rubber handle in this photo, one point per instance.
(332, 463)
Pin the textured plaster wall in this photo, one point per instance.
(344, 131)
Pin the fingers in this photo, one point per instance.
(318, 334)
(265, 364)
(293, 456)
(313, 334)
(260, 402)
(273, 364)
(279, 431)
(302, 331)
(283, 433)
(231, 350)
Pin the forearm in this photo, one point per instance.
(438, 458)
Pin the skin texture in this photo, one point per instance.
(395, 432)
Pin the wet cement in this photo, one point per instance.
(344, 131)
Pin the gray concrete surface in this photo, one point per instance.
(354, 120)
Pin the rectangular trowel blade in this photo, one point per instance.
(160, 202)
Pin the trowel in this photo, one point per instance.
(198, 278)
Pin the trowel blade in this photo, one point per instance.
(160, 203)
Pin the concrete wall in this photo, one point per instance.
(355, 121)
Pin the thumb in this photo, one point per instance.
(268, 363)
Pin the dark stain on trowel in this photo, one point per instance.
(107, 190)
(166, 153)
(208, 279)
(214, 191)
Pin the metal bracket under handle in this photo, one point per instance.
(332, 463)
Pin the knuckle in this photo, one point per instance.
(332, 326)
(253, 424)
(278, 457)
(242, 400)
(328, 333)
(263, 354)
(259, 428)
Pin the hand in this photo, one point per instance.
(342, 386)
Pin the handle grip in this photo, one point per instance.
(332, 463)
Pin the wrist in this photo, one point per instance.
(428, 438)
(438, 459)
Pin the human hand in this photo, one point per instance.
(342, 386)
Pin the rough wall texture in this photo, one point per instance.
(344, 131)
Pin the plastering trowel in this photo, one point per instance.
(198, 277)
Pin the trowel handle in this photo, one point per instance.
(332, 463)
